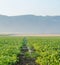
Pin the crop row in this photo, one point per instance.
(46, 50)
(9, 49)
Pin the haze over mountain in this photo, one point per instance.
(30, 24)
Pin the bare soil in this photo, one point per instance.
(23, 60)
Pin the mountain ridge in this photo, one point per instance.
(30, 24)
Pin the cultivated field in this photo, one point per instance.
(30, 50)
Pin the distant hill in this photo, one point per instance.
(30, 24)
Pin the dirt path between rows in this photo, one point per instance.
(23, 58)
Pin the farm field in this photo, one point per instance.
(29, 50)
(9, 49)
(46, 50)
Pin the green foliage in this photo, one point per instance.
(47, 50)
(9, 49)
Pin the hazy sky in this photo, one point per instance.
(35, 7)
